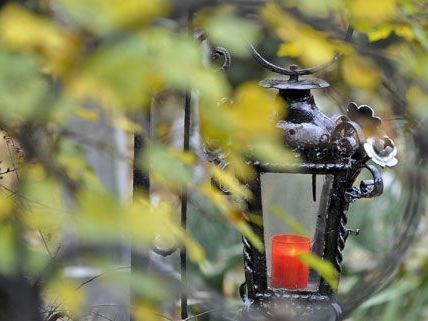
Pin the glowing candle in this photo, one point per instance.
(288, 271)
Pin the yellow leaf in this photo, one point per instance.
(239, 166)
(401, 30)
(291, 49)
(289, 220)
(66, 294)
(417, 101)
(324, 268)
(247, 126)
(87, 114)
(85, 87)
(44, 220)
(273, 152)
(147, 223)
(6, 206)
(248, 232)
(404, 31)
(126, 124)
(381, 33)
(100, 216)
(216, 197)
(364, 14)
(146, 312)
(105, 16)
(311, 46)
(186, 157)
(252, 113)
(229, 181)
(234, 215)
(195, 250)
(361, 73)
(169, 167)
(22, 30)
(318, 8)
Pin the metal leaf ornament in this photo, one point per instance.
(378, 146)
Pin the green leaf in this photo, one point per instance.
(167, 166)
(106, 16)
(234, 33)
(324, 268)
(247, 231)
(22, 88)
(126, 73)
(8, 248)
(290, 221)
(399, 290)
(392, 308)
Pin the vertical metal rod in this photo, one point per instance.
(141, 177)
(314, 187)
(183, 254)
(184, 195)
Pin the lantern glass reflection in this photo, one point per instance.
(294, 223)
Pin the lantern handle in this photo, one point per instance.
(293, 70)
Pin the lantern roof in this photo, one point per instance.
(294, 83)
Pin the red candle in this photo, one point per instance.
(288, 271)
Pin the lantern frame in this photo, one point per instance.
(340, 147)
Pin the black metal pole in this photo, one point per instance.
(183, 254)
(141, 177)
(184, 195)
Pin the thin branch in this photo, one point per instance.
(100, 275)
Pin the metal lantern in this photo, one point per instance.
(331, 152)
(337, 148)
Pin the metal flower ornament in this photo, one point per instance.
(378, 146)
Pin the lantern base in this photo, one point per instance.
(292, 307)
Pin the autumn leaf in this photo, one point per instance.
(324, 268)
(106, 16)
(311, 46)
(65, 292)
(402, 30)
(228, 30)
(22, 87)
(365, 14)
(170, 167)
(360, 72)
(290, 49)
(145, 311)
(23, 31)
(87, 114)
(230, 182)
(6, 206)
(289, 221)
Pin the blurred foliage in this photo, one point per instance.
(63, 60)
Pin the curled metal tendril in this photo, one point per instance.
(223, 52)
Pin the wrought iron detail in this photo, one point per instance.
(245, 292)
(368, 188)
(339, 147)
(222, 52)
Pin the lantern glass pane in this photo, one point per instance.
(293, 223)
